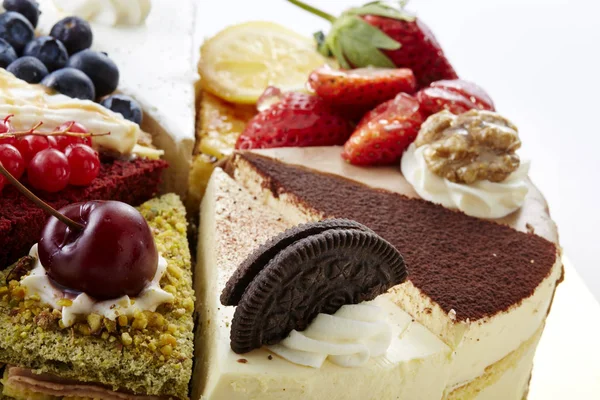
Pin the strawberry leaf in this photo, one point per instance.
(360, 43)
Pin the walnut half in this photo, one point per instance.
(466, 148)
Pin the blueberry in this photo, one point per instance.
(124, 105)
(101, 70)
(74, 32)
(48, 50)
(7, 54)
(30, 9)
(71, 82)
(28, 68)
(16, 30)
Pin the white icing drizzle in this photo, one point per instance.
(483, 199)
(107, 12)
(37, 283)
(348, 338)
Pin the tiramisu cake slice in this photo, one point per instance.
(483, 288)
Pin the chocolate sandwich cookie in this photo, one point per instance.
(310, 269)
(247, 271)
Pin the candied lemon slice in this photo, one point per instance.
(240, 62)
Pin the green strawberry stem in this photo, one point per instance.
(75, 226)
(313, 10)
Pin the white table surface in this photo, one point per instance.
(539, 60)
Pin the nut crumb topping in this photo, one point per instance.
(466, 148)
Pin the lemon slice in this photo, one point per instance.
(240, 62)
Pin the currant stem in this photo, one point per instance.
(313, 10)
(39, 202)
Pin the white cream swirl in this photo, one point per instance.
(107, 12)
(483, 199)
(37, 283)
(348, 338)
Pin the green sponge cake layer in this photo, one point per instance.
(148, 354)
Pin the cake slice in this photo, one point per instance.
(483, 288)
(143, 356)
(131, 168)
(233, 225)
(141, 45)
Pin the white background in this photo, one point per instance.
(540, 62)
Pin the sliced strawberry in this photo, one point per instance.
(363, 88)
(297, 120)
(385, 132)
(456, 96)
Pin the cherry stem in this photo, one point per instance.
(313, 10)
(75, 226)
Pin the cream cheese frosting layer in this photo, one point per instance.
(483, 199)
(37, 283)
(416, 365)
(157, 68)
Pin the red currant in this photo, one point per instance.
(12, 160)
(30, 145)
(49, 170)
(65, 141)
(4, 128)
(84, 163)
(52, 142)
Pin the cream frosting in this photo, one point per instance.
(483, 199)
(348, 338)
(107, 12)
(32, 104)
(37, 283)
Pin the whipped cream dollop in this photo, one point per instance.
(38, 283)
(107, 12)
(482, 199)
(348, 338)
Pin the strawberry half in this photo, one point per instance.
(361, 89)
(297, 120)
(457, 96)
(385, 132)
(380, 35)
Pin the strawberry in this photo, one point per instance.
(297, 120)
(456, 96)
(380, 35)
(361, 89)
(385, 132)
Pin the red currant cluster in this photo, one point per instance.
(52, 160)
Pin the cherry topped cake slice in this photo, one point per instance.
(102, 306)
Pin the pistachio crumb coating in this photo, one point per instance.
(147, 353)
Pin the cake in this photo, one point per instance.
(141, 38)
(145, 355)
(465, 307)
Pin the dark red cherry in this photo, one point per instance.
(114, 255)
